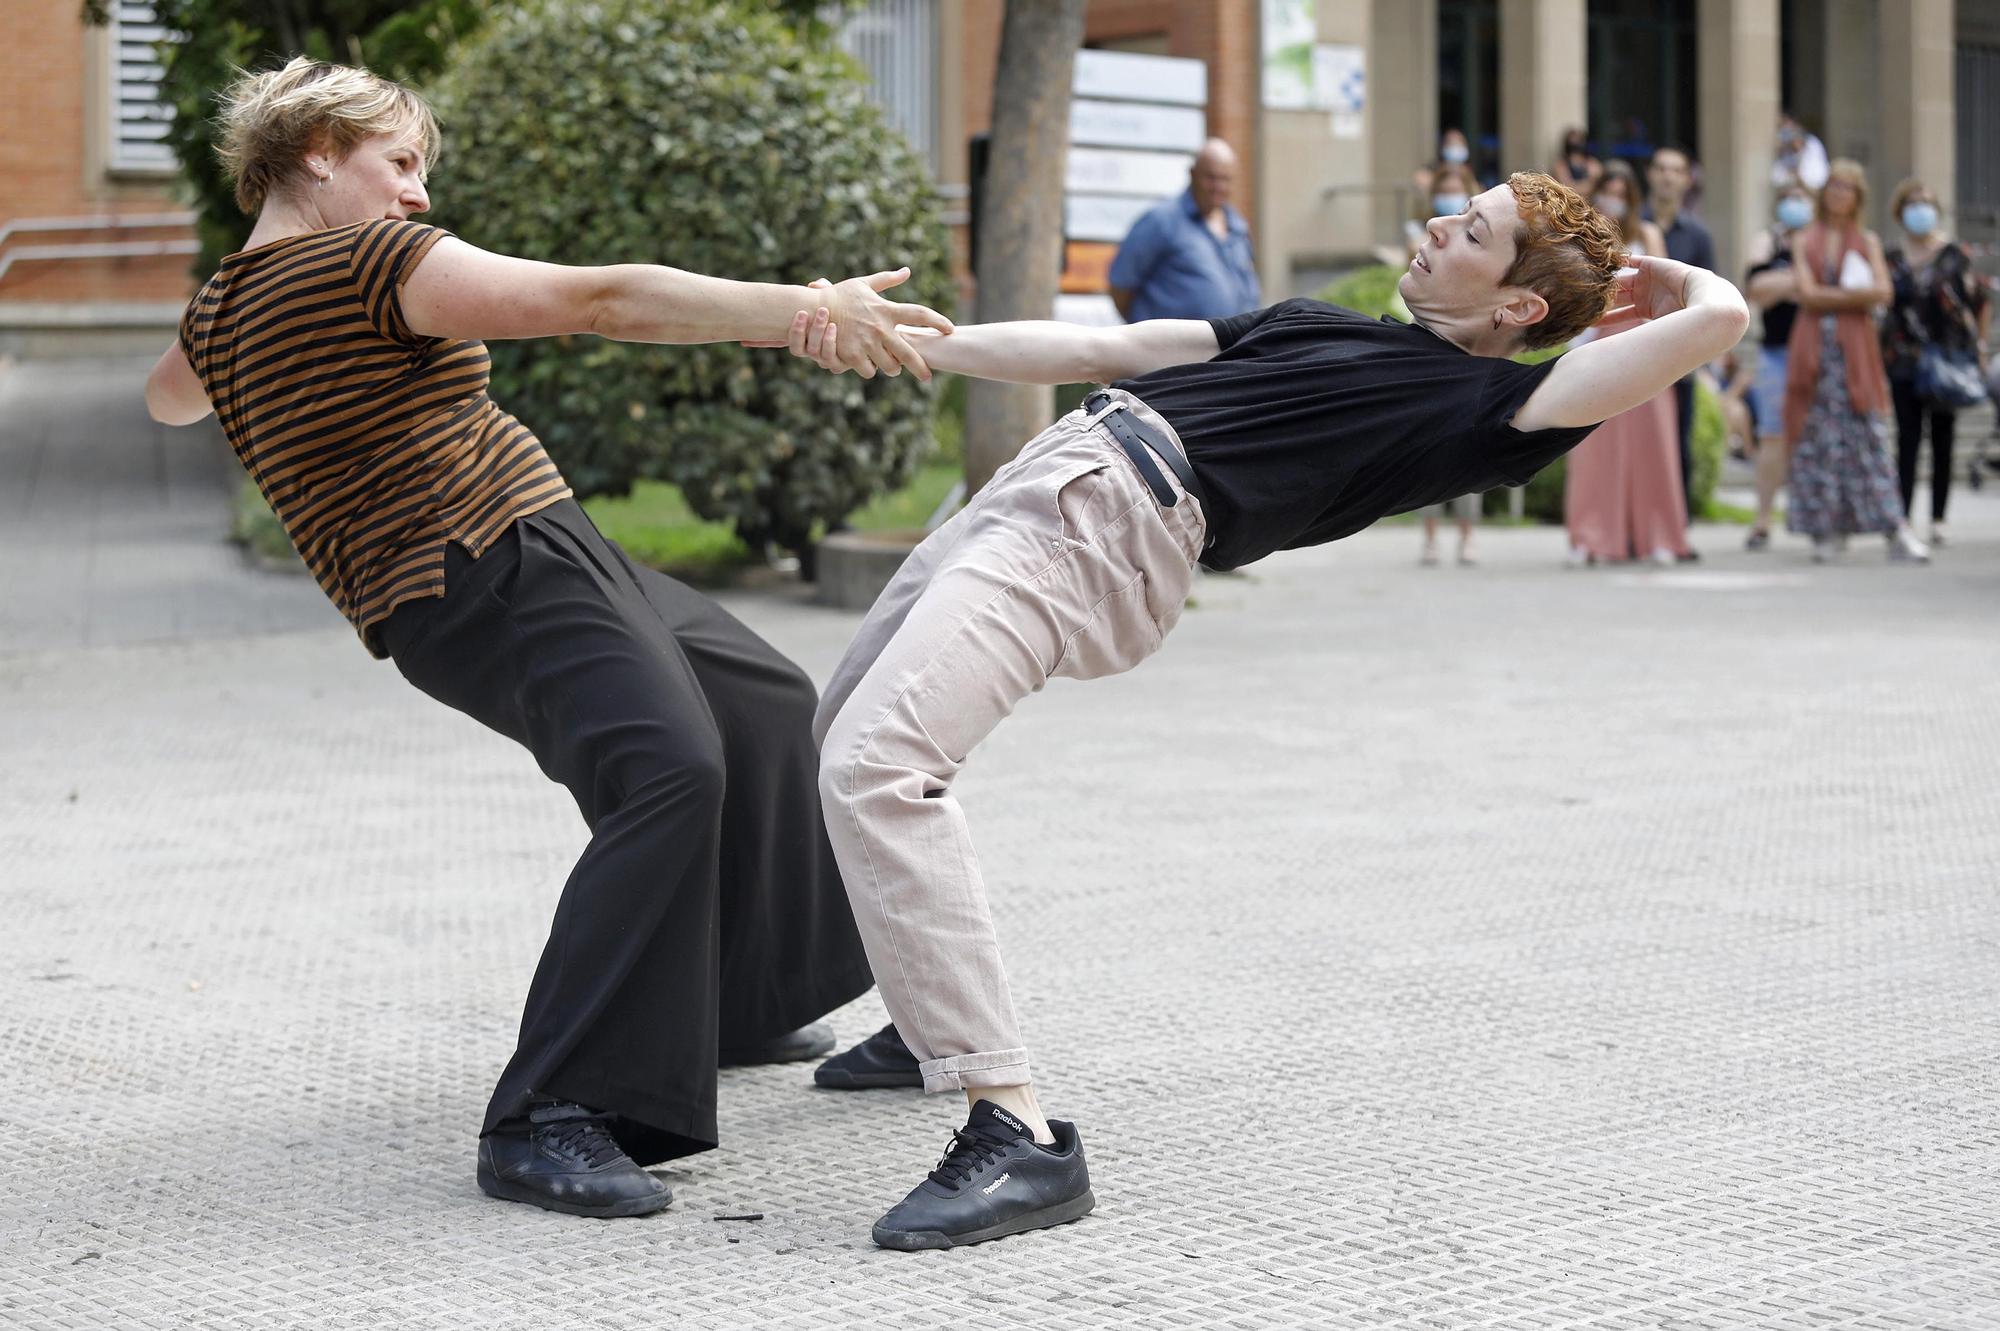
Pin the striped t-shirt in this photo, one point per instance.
(375, 447)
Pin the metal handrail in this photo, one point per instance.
(109, 249)
(97, 222)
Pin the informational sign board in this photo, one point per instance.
(1135, 124)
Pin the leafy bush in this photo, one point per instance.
(710, 138)
(1370, 291)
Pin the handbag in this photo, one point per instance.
(1948, 379)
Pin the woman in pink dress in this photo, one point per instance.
(1622, 490)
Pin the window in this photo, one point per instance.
(138, 117)
(896, 42)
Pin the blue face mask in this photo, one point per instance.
(1455, 152)
(1449, 205)
(1920, 219)
(1793, 213)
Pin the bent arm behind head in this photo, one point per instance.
(1692, 316)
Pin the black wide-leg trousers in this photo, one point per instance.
(707, 909)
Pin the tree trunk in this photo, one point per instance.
(1020, 225)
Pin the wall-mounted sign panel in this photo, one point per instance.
(1137, 125)
(1102, 216)
(1117, 171)
(1122, 76)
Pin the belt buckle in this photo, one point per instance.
(1113, 404)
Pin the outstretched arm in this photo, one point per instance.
(1692, 316)
(459, 290)
(1032, 351)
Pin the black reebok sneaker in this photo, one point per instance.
(878, 1061)
(562, 1157)
(993, 1181)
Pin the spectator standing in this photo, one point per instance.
(1189, 257)
(1668, 177)
(1574, 166)
(1835, 389)
(1621, 488)
(1452, 187)
(1940, 308)
(1771, 287)
(1801, 156)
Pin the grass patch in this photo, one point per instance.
(911, 507)
(655, 526)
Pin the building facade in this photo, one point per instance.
(1329, 103)
(1907, 87)
(92, 236)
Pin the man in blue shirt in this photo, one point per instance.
(1189, 258)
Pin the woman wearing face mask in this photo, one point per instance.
(1771, 288)
(1454, 150)
(1622, 491)
(1835, 389)
(1940, 302)
(1451, 187)
(1574, 166)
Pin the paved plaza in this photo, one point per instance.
(1512, 946)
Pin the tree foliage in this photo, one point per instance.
(715, 139)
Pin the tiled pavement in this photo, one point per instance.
(1424, 948)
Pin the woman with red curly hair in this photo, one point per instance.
(1218, 442)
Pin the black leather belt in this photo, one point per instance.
(1142, 442)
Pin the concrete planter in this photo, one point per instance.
(854, 566)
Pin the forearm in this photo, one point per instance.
(650, 303)
(1025, 351)
(1713, 321)
(1771, 288)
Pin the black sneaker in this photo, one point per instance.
(562, 1157)
(993, 1181)
(879, 1061)
(792, 1047)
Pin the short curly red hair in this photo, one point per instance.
(1567, 253)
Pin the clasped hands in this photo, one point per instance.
(856, 328)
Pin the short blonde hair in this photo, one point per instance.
(1567, 253)
(1844, 171)
(270, 120)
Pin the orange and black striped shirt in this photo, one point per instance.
(375, 447)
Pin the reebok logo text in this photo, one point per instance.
(989, 1188)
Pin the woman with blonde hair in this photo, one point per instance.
(1835, 391)
(1622, 488)
(341, 352)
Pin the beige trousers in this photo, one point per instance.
(1063, 564)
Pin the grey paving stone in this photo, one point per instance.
(1417, 948)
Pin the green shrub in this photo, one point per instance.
(1370, 291)
(709, 138)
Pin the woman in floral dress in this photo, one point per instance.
(1841, 477)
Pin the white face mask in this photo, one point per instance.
(1449, 205)
(1610, 205)
(1455, 152)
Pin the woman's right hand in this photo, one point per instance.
(858, 327)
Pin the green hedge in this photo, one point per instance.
(710, 138)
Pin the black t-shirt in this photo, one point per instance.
(1314, 421)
